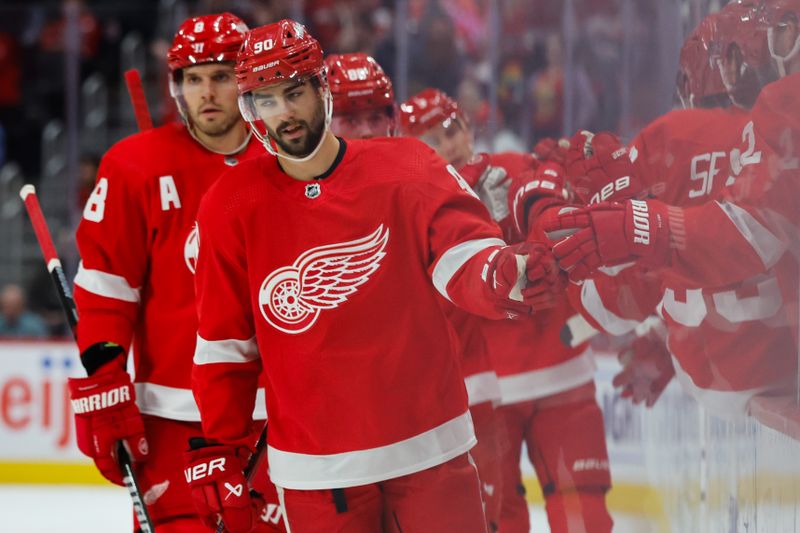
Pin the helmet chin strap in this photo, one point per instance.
(779, 59)
(328, 103)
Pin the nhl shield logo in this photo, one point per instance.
(313, 190)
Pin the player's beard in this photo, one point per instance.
(306, 144)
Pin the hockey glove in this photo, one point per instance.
(611, 234)
(524, 278)
(600, 170)
(106, 414)
(646, 369)
(551, 150)
(490, 183)
(219, 488)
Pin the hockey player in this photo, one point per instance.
(134, 287)
(728, 331)
(547, 393)
(320, 263)
(363, 98)
(363, 107)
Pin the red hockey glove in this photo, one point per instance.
(219, 488)
(610, 234)
(646, 369)
(552, 150)
(524, 278)
(106, 414)
(599, 169)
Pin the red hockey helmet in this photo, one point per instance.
(358, 82)
(425, 110)
(743, 51)
(776, 13)
(273, 54)
(276, 53)
(699, 78)
(206, 39)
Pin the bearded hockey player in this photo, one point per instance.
(313, 269)
(547, 388)
(134, 287)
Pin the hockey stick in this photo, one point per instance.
(576, 331)
(28, 195)
(134, 82)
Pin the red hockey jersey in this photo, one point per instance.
(727, 331)
(329, 286)
(529, 357)
(138, 248)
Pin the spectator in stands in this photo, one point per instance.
(15, 319)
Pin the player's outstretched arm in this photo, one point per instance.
(471, 265)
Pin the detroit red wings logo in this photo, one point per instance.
(191, 248)
(291, 298)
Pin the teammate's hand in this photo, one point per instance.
(219, 488)
(599, 169)
(646, 369)
(106, 414)
(552, 150)
(524, 278)
(490, 183)
(609, 234)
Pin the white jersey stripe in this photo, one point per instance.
(350, 469)
(482, 387)
(453, 259)
(768, 247)
(107, 285)
(609, 321)
(723, 403)
(225, 351)
(547, 381)
(178, 404)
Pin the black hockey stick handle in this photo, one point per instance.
(28, 195)
(253, 464)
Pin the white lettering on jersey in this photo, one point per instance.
(191, 248)
(292, 297)
(169, 193)
(641, 222)
(763, 305)
(95, 207)
(706, 177)
(461, 181)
